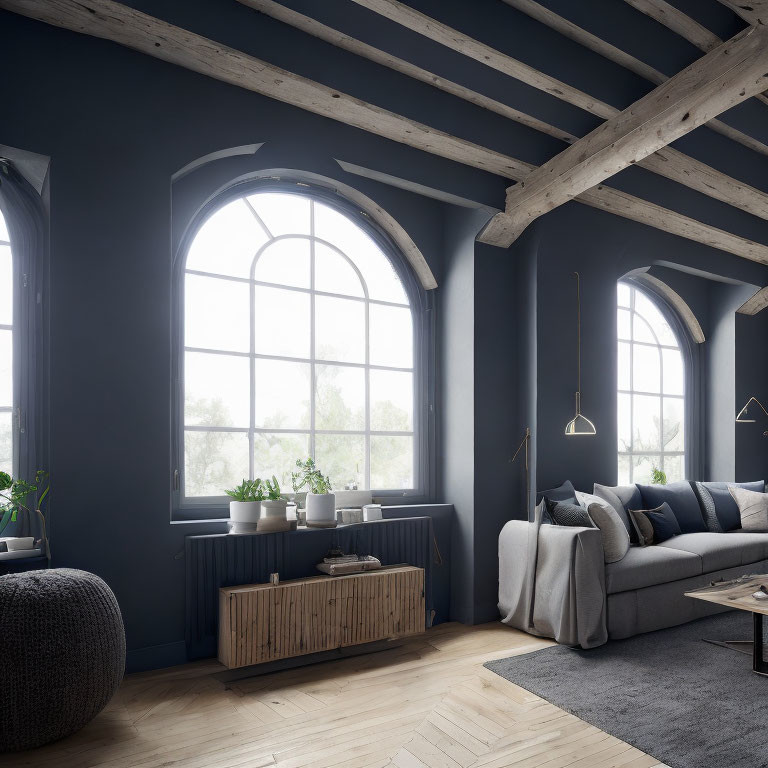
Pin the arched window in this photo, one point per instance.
(298, 340)
(651, 399)
(7, 401)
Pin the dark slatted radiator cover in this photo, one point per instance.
(221, 560)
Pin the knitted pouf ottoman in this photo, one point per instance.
(62, 654)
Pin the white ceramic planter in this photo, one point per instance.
(244, 511)
(274, 516)
(321, 509)
(16, 544)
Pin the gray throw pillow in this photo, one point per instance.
(622, 498)
(753, 508)
(708, 509)
(615, 536)
(643, 527)
(569, 513)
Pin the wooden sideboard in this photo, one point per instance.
(263, 622)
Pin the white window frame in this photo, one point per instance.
(633, 290)
(203, 507)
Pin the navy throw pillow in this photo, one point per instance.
(681, 499)
(664, 522)
(563, 492)
(726, 508)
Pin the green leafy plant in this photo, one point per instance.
(248, 490)
(14, 496)
(273, 489)
(658, 476)
(310, 477)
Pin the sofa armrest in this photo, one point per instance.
(562, 572)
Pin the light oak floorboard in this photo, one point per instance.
(427, 704)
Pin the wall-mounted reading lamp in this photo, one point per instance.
(743, 417)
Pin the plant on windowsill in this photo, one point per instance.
(245, 507)
(320, 503)
(658, 476)
(13, 495)
(274, 508)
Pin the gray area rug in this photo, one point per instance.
(688, 703)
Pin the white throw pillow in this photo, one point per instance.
(585, 499)
(753, 508)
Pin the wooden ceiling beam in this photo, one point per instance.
(667, 162)
(682, 24)
(726, 76)
(755, 303)
(752, 11)
(119, 23)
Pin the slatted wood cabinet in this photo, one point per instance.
(265, 622)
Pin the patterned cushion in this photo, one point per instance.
(708, 509)
(569, 513)
(681, 499)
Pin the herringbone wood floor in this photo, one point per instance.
(428, 703)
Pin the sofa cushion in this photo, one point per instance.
(563, 492)
(647, 566)
(615, 536)
(726, 509)
(721, 550)
(681, 499)
(622, 498)
(753, 508)
(568, 512)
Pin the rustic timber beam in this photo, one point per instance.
(752, 11)
(755, 303)
(667, 162)
(457, 41)
(726, 76)
(119, 23)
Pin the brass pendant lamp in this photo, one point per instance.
(579, 424)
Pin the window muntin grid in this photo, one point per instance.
(8, 432)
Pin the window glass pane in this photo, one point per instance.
(391, 336)
(391, 462)
(6, 442)
(216, 389)
(674, 419)
(342, 458)
(6, 368)
(285, 262)
(655, 319)
(641, 331)
(334, 274)
(623, 324)
(646, 369)
(276, 454)
(339, 329)
(624, 471)
(282, 391)
(391, 401)
(642, 468)
(6, 286)
(216, 314)
(281, 320)
(624, 378)
(214, 461)
(339, 397)
(646, 412)
(622, 294)
(625, 422)
(380, 277)
(283, 214)
(673, 466)
(227, 242)
(3, 229)
(673, 372)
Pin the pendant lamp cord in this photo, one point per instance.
(578, 332)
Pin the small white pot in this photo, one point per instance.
(274, 509)
(244, 511)
(274, 519)
(321, 508)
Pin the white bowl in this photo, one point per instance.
(17, 543)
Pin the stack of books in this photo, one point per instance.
(343, 564)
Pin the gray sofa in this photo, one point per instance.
(553, 580)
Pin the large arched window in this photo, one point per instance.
(651, 400)
(7, 436)
(298, 340)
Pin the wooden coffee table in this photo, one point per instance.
(738, 594)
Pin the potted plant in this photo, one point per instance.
(13, 496)
(245, 506)
(274, 506)
(320, 503)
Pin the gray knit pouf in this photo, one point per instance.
(62, 654)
